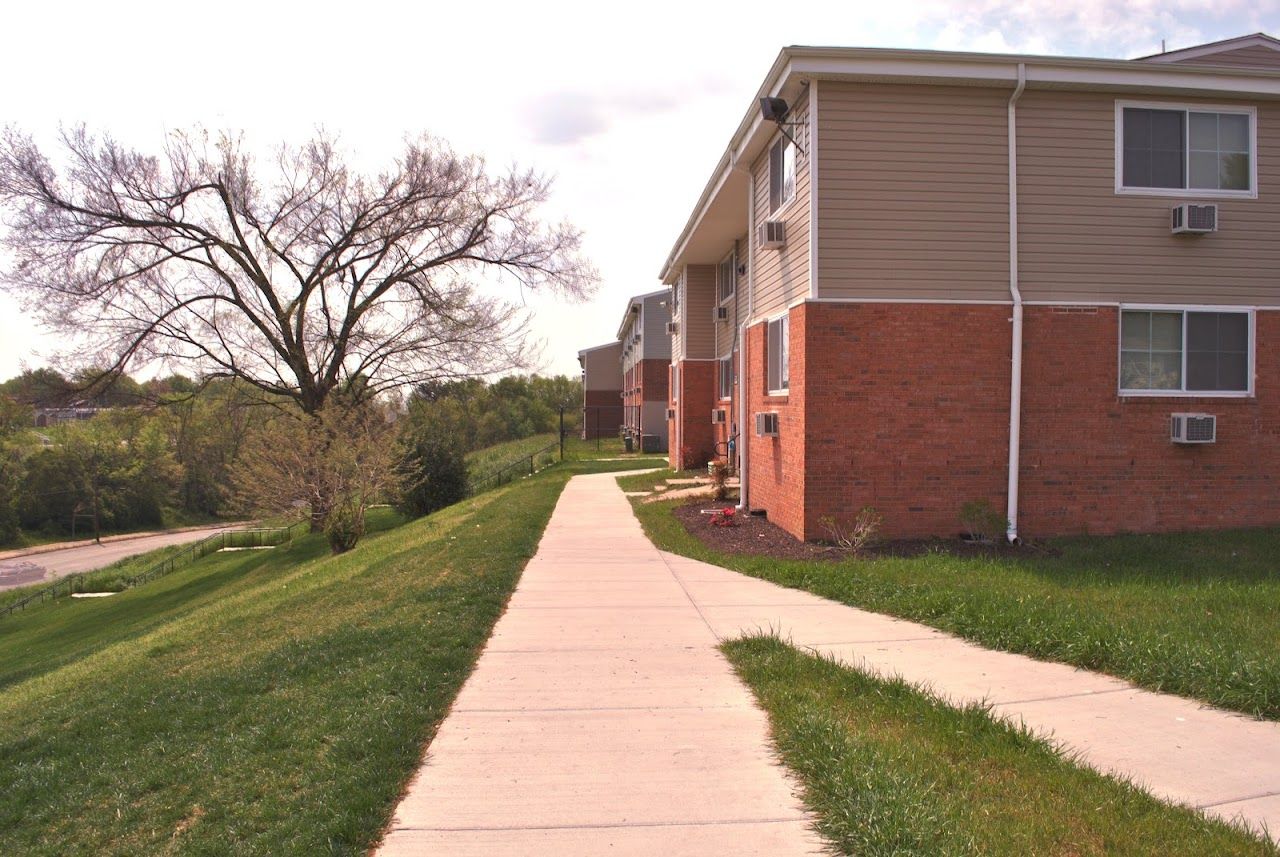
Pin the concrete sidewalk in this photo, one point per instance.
(600, 718)
(1183, 751)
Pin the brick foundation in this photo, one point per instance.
(692, 437)
(904, 407)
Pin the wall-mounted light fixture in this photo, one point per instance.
(776, 110)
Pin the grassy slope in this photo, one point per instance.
(1191, 614)
(888, 770)
(485, 461)
(260, 703)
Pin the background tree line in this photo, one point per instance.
(171, 451)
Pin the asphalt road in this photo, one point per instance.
(49, 566)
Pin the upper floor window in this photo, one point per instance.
(726, 377)
(782, 173)
(1174, 351)
(779, 346)
(1204, 152)
(726, 279)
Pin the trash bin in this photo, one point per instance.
(628, 444)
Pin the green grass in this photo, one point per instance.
(484, 462)
(265, 702)
(1192, 614)
(887, 770)
(608, 447)
(646, 481)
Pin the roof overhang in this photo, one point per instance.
(633, 306)
(720, 215)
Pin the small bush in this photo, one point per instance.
(982, 523)
(856, 535)
(719, 478)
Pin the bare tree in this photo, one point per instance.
(300, 276)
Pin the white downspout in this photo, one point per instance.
(1015, 382)
(743, 447)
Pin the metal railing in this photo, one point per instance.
(251, 537)
(526, 465)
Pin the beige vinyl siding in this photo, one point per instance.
(1080, 241)
(654, 342)
(727, 330)
(677, 338)
(1255, 56)
(912, 192)
(698, 325)
(602, 368)
(782, 276)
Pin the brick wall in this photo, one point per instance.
(691, 436)
(905, 407)
(602, 412)
(778, 475)
(907, 410)
(1095, 462)
(654, 380)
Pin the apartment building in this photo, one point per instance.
(645, 340)
(601, 390)
(917, 279)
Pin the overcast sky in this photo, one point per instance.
(629, 106)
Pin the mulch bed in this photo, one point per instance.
(755, 536)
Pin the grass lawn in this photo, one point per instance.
(889, 770)
(1191, 614)
(484, 462)
(109, 578)
(266, 702)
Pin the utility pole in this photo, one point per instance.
(562, 432)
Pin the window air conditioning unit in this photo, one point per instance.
(1193, 428)
(719, 416)
(773, 234)
(1194, 219)
(635, 337)
(767, 424)
(672, 328)
(722, 313)
(671, 413)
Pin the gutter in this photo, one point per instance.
(1015, 381)
(744, 471)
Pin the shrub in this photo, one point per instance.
(720, 478)
(982, 523)
(856, 535)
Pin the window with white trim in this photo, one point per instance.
(782, 173)
(779, 346)
(1185, 351)
(675, 382)
(726, 279)
(1174, 148)
(726, 377)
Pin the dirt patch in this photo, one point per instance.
(755, 536)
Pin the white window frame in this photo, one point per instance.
(733, 274)
(1188, 394)
(783, 201)
(721, 394)
(784, 363)
(674, 381)
(1189, 192)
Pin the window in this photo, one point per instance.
(1185, 351)
(726, 377)
(1185, 150)
(779, 352)
(675, 382)
(726, 279)
(782, 174)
